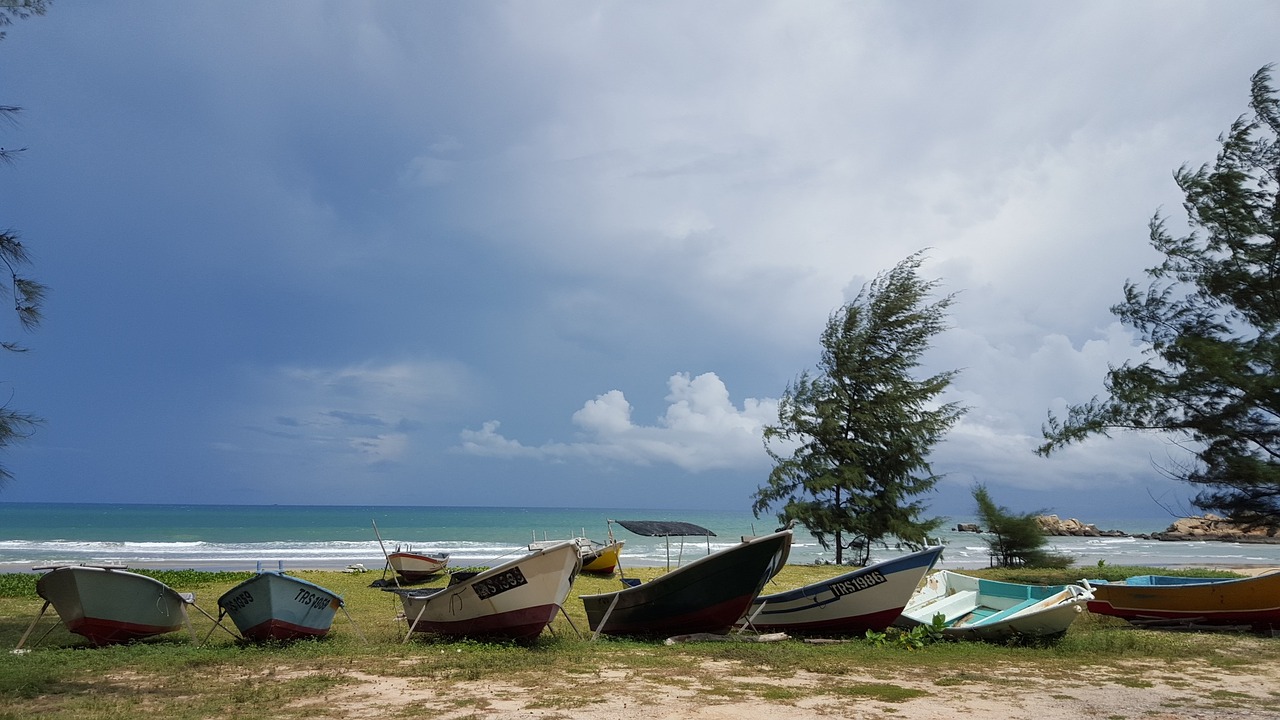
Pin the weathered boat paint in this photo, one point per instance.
(275, 606)
(708, 595)
(868, 598)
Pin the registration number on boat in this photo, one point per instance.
(238, 602)
(853, 585)
(499, 583)
(312, 600)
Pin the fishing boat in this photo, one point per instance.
(513, 601)
(109, 604)
(600, 557)
(868, 598)
(708, 595)
(274, 606)
(597, 557)
(978, 609)
(1167, 600)
(413, 567)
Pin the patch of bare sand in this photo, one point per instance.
(720, 691)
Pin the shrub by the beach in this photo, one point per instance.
(18, 585)
(193, 579)
(1017, 539)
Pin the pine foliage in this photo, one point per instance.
(1210, 318)
(1017, 540)
(852, 440)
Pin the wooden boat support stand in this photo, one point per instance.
(107, 604)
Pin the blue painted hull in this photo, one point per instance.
(275, 606)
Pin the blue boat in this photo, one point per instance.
(868, 598)
(275, 606)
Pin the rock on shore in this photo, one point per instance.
(1212, 527)
(1052, 525)
(1205, 527)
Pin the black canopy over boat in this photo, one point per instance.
(667, 529)
(663, 528)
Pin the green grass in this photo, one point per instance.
(170, 676)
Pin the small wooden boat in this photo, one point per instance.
(413, 567)
(600, 557)
(275, 606)
(868, 598)
(1167, 600)
(708, 595)
(512, 601)
(597, 557)
(111, 605)
(977, 609)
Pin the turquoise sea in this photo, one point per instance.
(238, 537)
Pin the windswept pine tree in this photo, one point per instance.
(1017, 540)
(852, 441)
(27, 294)
(1210, 319)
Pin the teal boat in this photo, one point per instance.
(275, 606)
(977, 609)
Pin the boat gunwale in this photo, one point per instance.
(425, 593)
(905, 562)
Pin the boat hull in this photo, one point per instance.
(275, 606)
(708, 595)
(869, 598)
(108, 605)
(417, 566)
(513, 601)
(977, 609)
(603, 559)
(1158, 600)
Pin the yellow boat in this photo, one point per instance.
(599, 557)
(596, 557)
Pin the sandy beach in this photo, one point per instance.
(727, 690)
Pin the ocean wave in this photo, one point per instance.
(1112, 541)
(637, 552)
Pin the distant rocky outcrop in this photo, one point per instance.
(968, 527)
(1053, 525)
(1212, 527)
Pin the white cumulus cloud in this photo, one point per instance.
(702, 429)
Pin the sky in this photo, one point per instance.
(570, 254)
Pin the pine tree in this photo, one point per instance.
(27, 294)
(852, 441)
(1210, 317)
(1017, 540)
